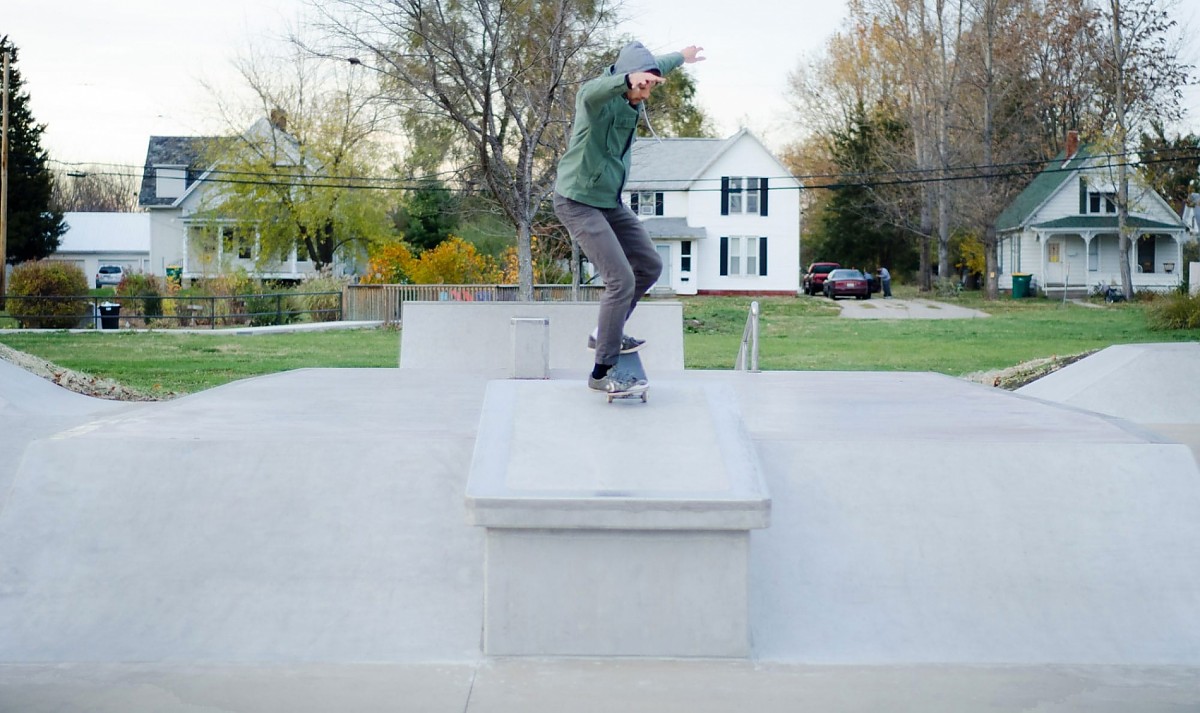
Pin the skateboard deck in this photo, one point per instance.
(630, 363)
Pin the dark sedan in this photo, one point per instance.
(845, 282)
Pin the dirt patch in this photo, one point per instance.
(1014, 377)
(77, 381)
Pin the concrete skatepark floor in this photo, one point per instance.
(257, 547)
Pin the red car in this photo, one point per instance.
(846, 283)
(814, 279)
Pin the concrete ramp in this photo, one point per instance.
(256, 522)
(1143, 383)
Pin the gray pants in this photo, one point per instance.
(615, 241)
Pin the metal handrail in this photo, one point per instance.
(749, 342)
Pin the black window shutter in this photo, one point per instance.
(724, 256)
(724, 196)
(633, 201)
(762, 255)
(658, 203)
(762, 197)
(1083, 195)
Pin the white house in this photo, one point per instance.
(724, 215)
(95, 239)
(1062, 229)
(179, 185)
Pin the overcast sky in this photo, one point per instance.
(105, 75)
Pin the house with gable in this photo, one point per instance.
(724, 215)
(1062, 229)
(181, 190)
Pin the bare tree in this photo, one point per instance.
(502, 72)
(95, 189)
(1143, 78)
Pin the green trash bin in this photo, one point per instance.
(1020, 284)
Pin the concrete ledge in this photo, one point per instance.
(464, 336)
(622, 465)
(607, 533)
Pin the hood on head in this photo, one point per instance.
(634, 57)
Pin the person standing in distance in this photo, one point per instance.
(587, 198)
(885, 280)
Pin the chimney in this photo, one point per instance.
(1072, 143)
(279, 119)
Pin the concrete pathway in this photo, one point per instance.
(880, 308)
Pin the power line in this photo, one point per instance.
(871, 179)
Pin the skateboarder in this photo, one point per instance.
(587, 199)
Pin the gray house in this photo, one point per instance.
(1062, 229)
(180, 189)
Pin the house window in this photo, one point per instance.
(743, 195)
(646, 202)
(1102, 202)
(1014, 255)
(1094, 254)
(685, 256)
(1054, 251)
(744, 256)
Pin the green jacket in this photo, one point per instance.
(594, 168)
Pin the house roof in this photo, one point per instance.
(663, 228)
(672, 164)
(106, 233)
(1057, 172)
(171, 151)
(676, 164)
(190, 152)
(1102, 222)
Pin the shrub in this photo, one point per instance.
(41, 294)
(322, 307)
(145, 293)
(273, 308)
(1174, 311)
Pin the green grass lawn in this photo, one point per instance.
(163, 361)
(802, 333)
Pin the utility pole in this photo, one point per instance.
(4, 180)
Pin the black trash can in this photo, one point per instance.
(110, 315)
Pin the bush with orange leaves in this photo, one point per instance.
(454, 261)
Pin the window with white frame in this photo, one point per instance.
(1102, 202)
(743, 195)
(743, 255)
(646, 202)
(1093, 255)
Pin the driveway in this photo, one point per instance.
(905, 309)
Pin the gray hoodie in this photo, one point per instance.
(634, 57)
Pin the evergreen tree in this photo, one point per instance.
(854, 227)
(34, 228)
(429, 215)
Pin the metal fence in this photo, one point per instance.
(384, 302)
(167, 311)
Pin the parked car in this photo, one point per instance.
(109, 276)
(814, 279)
(844, 282)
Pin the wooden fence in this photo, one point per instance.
(383, 302)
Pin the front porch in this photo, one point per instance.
(1072, 261)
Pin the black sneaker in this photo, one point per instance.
(617, 382)
(628, 343)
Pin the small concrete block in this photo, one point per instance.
(531, 348)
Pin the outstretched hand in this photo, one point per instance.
(692, 54)
(644, 80)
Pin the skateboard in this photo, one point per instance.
(630, 363)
